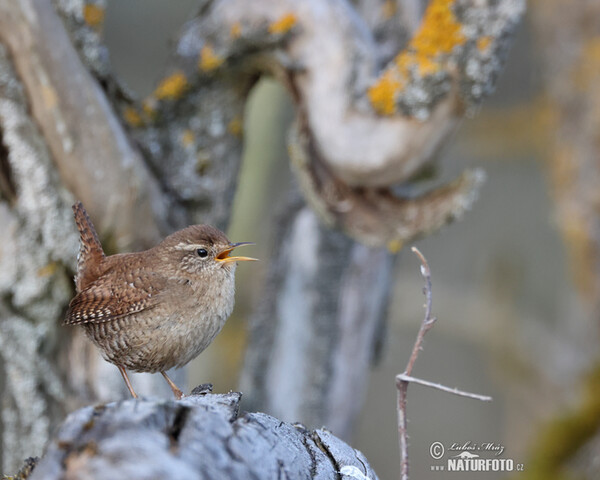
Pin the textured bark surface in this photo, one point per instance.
(37, 239)
(571, 116)
(314, 337)
(572, 87)
(89, 147)
(203, 436)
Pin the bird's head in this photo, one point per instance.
(201, 250)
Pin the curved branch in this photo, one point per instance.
(439, 74)
(357, 135)
(88, 144)
(377, 217)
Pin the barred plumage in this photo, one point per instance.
(153, 310)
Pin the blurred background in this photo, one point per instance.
(510, 322)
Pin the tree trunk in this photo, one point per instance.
(573, 122)
(571, 117)
(313, 339)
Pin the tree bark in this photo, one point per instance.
(203, 436)
(314, 337)
(571, 117)
(37, 241)
(573, 121)
(318, 351)
(89, 147)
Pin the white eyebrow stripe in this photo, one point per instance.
(188, 246)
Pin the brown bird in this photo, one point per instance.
(153, 310)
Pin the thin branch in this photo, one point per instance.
(402, 385)
(404, 379)
(402, 434)
(428, 321)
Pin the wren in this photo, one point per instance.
(158, 309)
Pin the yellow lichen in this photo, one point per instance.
(132, 117)
(404, 61)
(283, 24)
(483, 43)
(187, 138)
(149, 107)
(440, 31)
(382, 94)
(171, 87)
(48, 269)
(236, 30)
(209, 60)
(394, 246)
(585, 73)
(235, 127)
(93, 14)
(439, 34)
(427, 66)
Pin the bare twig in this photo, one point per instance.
(428, 321)
(405, 378)
(461, 393)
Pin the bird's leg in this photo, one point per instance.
(178, 393)
(127, 382)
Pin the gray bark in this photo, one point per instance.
(203, 436)
(61, 141)
(573, 144)
(37, 241)
(313, 338)
(307, 333)
(568, 61)
(89, 147)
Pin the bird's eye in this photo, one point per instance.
(202, 253)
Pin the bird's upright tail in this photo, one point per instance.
(90, 249)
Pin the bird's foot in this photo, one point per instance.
(176, 392)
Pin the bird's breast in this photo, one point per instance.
(207, 310)
(169, 335)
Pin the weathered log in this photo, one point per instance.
(203, 436)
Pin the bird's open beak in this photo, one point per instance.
(225, 258)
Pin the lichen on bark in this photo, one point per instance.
(37, 240)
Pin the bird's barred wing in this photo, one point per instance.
(104, 300)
